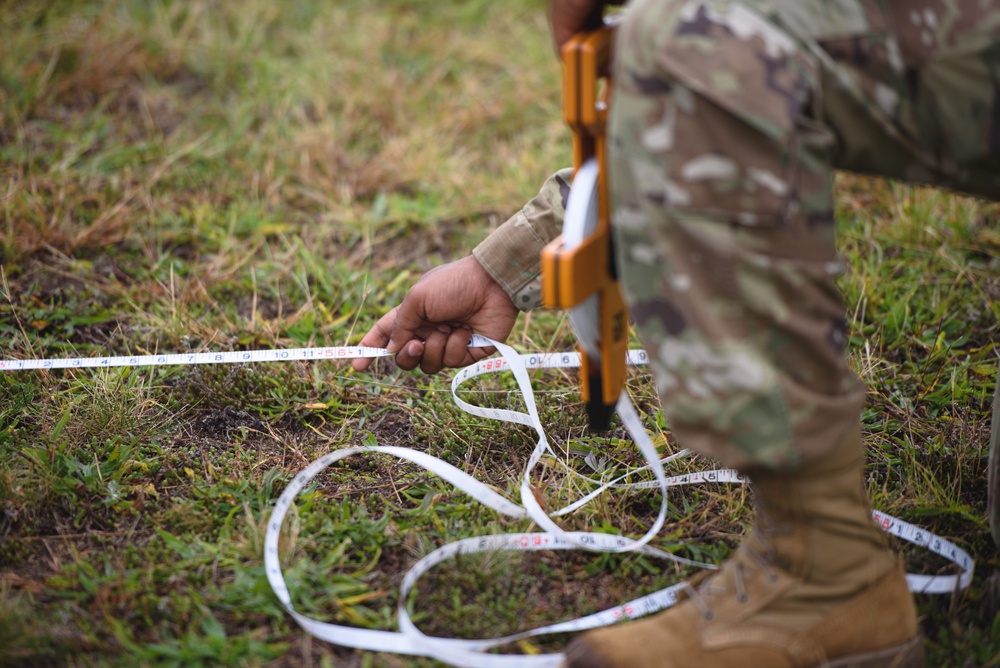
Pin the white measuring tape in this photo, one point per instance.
(409, 639)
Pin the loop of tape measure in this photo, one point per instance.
(476, 652)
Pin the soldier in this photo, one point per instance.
(727, 121)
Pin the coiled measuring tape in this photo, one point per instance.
(476, 652)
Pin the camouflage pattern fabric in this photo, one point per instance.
(511, 254)
(727, 121)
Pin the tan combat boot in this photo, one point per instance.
(815, 584)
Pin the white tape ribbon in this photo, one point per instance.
(579, 222)
(409, 639)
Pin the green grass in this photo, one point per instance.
(219, 175)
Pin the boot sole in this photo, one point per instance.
(908, 655)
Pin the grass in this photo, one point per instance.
(218, 175)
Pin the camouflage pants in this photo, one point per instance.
(727, 123)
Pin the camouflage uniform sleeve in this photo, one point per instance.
(511, 254)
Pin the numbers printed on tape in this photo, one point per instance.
(409, 640)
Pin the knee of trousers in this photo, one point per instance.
(728, 400)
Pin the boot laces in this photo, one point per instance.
(761, 559)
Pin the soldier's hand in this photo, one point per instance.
(569, 17)
(433, 324)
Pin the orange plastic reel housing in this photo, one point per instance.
(569, 276)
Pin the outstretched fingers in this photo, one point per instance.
(422, 344)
